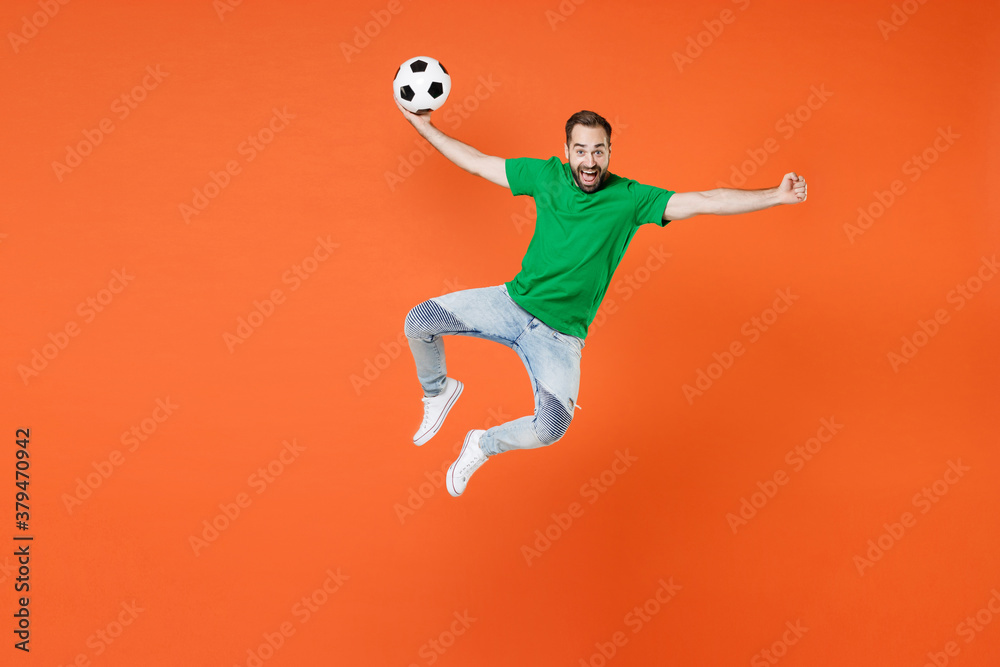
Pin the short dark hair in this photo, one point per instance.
(588, 119)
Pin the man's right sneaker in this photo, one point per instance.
(436, 409)
(468, 462)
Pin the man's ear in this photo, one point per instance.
(567, 151)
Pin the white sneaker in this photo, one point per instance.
(468, 462)
(436, 409)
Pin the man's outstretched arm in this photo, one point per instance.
(727, 201)
(493, 169)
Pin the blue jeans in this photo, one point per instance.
(551, 358)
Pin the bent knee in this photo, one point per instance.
(429, 319)
(411, 325)
(552, 421)
(420, 320)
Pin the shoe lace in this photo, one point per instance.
(427, 412)
(473, 464)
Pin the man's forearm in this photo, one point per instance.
(729, 201)
(463, 155)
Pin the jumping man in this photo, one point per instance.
(586, 218)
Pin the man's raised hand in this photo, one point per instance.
(793, 189)
(418, 120)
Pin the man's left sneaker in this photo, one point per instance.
(468, 462)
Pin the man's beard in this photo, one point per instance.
(583, 184)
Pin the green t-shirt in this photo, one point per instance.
(579, 239)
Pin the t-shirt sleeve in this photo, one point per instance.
(522, 174)
(650, 202)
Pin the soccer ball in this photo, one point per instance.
(421, 84)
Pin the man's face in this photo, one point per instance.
(589, 152)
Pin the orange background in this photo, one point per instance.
(350, 500)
